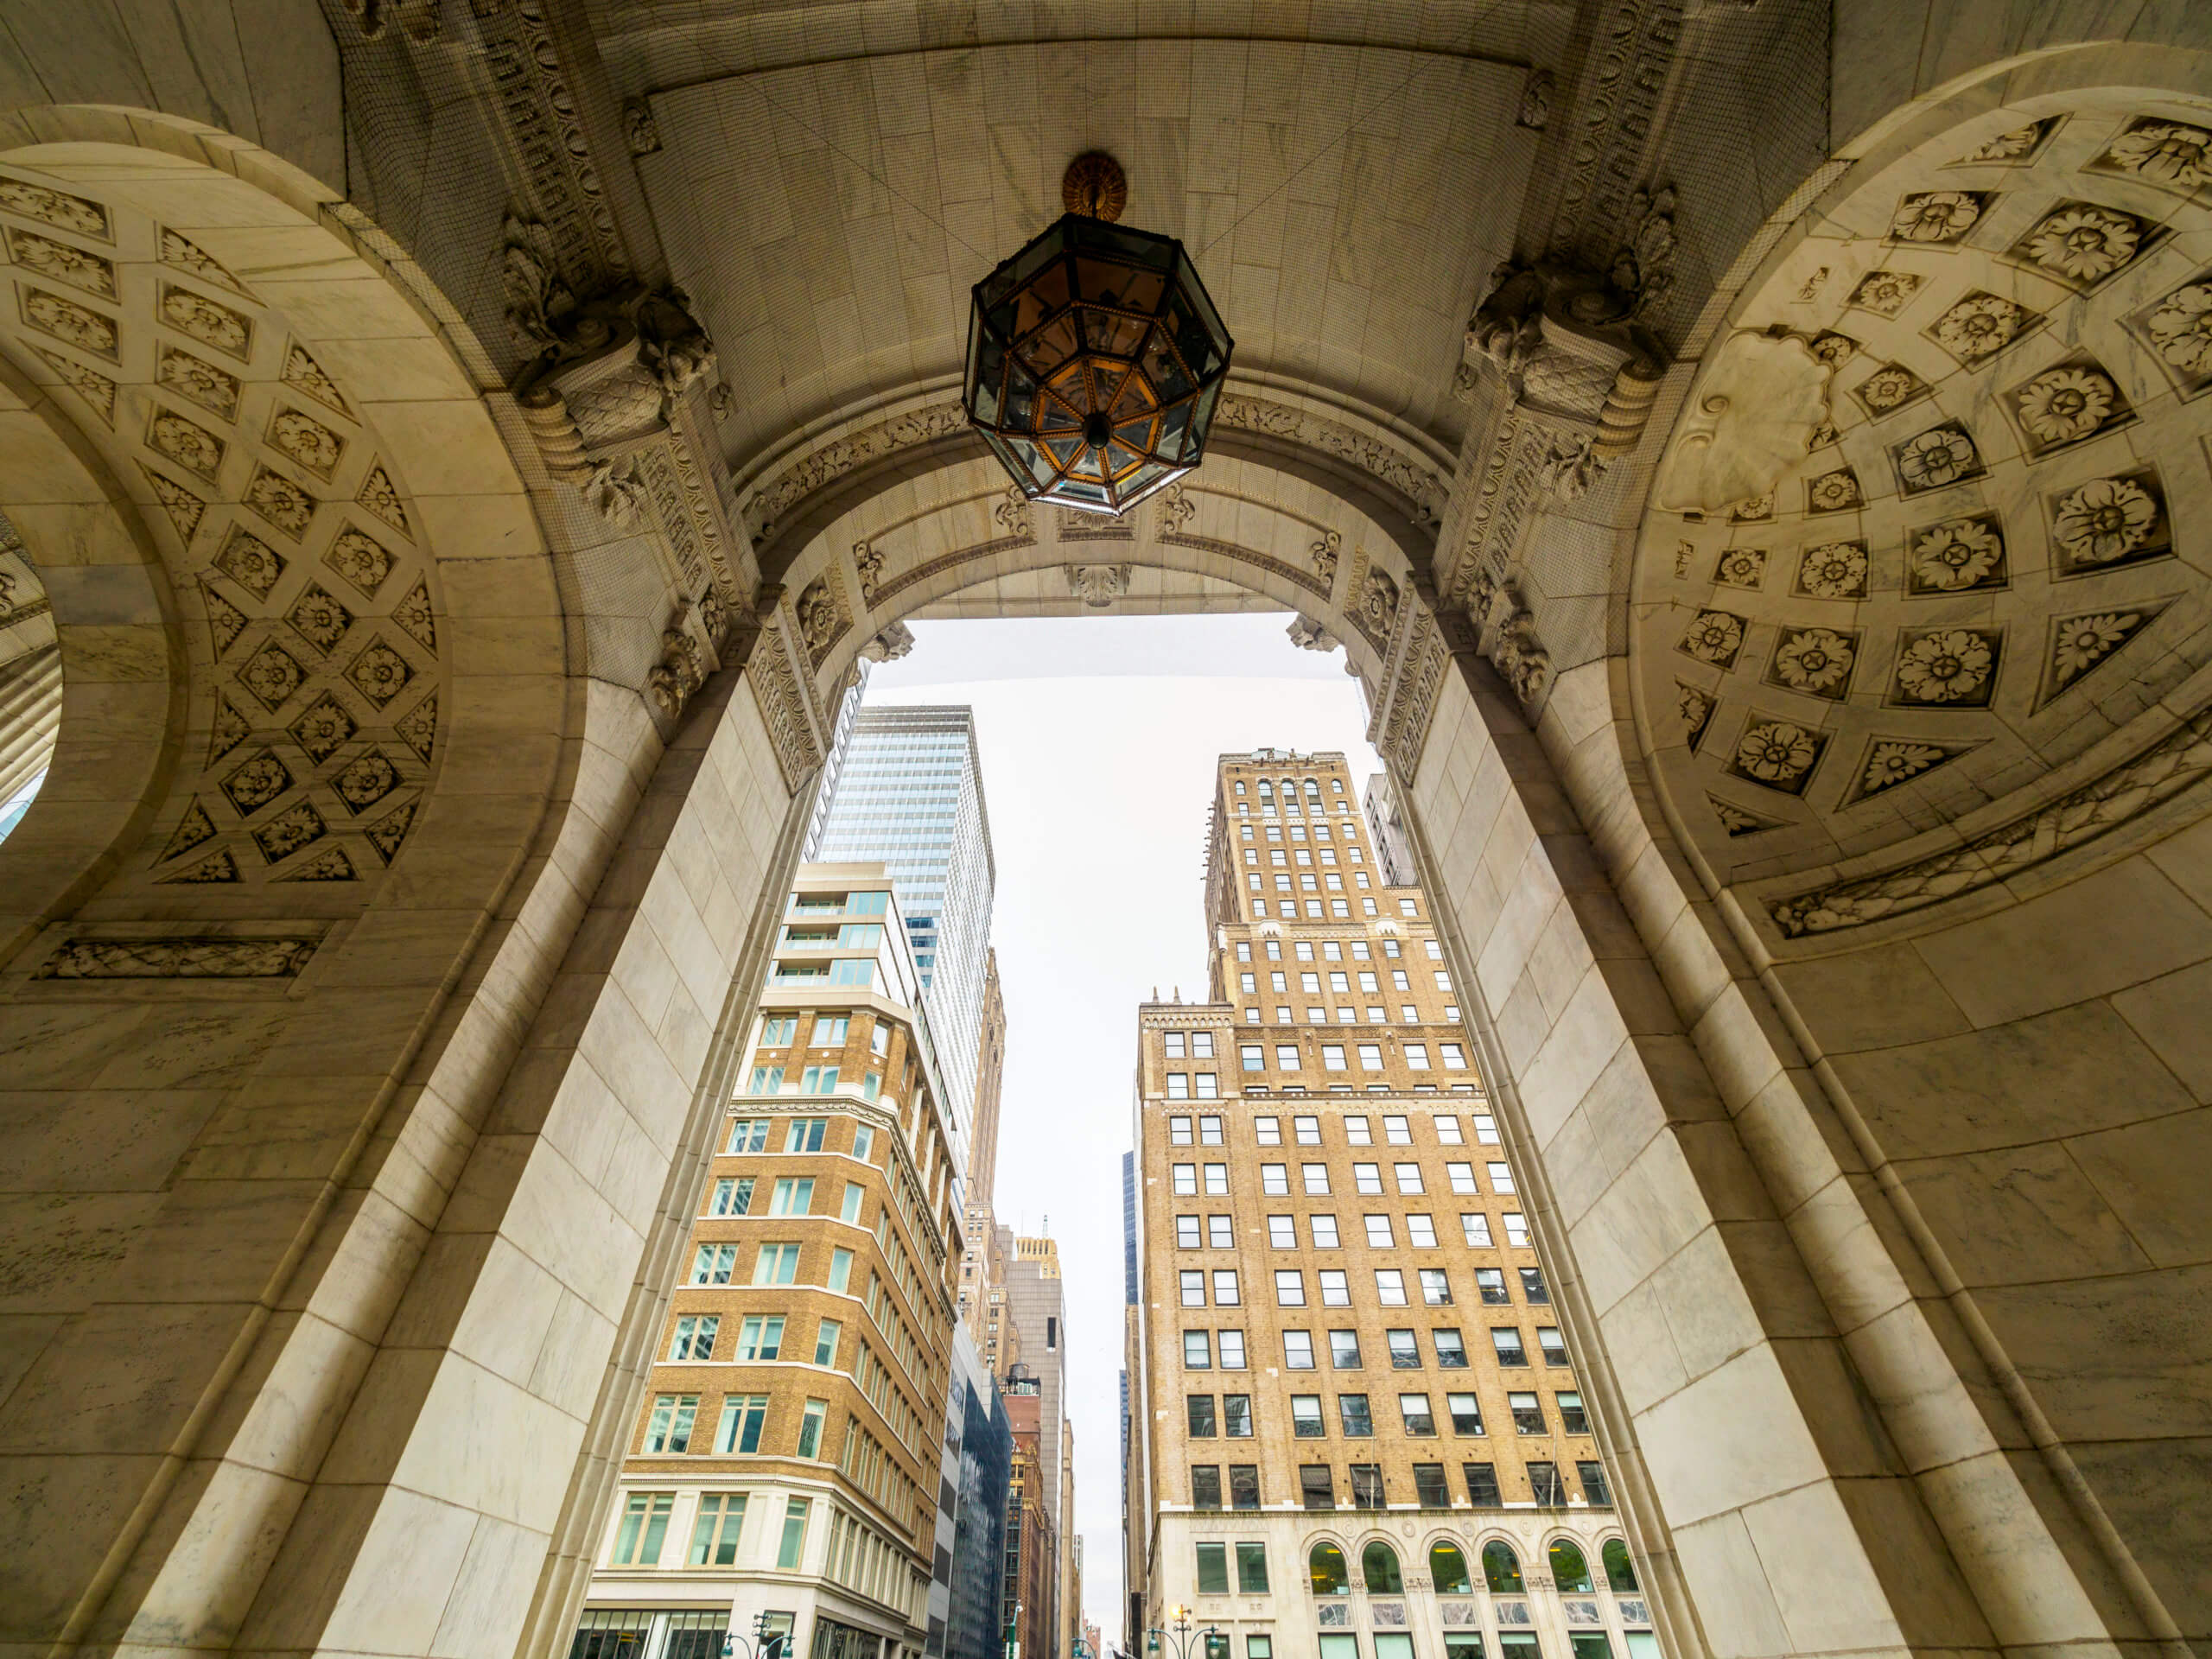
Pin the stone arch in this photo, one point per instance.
(120, 699)
(1970, 289)
(240, 434)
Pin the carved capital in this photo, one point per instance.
(1308, 635)
(891, 644)
(1506, 634)
(1099, 585)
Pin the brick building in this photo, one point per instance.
(1362, 1432)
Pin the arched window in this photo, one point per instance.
(1570, 1572)
(1312, 790)
(1447, 1567)
(1378, 1565)
(1330, 1576)
(1502, 1570)
(1267, 790)
(1620, 1571)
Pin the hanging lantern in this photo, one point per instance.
(1095, 357)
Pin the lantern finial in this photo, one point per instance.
(1095, 187)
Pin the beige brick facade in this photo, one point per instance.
(1347, 1340)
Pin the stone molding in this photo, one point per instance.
(1631, 58)
(189, 957)
(2171, 767)
(1407, 706)
(777, 686)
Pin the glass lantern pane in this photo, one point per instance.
(1202, 419)
(1133, 398)
(1186, 280)
(1063, 450)
(1020, 396)
(1119, 458)
(1192, 341)
(1054, 415)
(1152, 472)
(1041, 297)
(1079, 493)
(1168, 376)
(1175, 422)
(1028, 461)
(1050, 345)
(1145, 248)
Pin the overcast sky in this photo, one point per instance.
(1099, 737)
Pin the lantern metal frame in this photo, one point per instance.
(1096, 358)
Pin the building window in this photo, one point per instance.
(1193, 1287)
(1421, 1232)
(1352, 1414)
(1282, 1232)
(1528, 1413)
(1344, 1349)
(1318, 1488)
(1221, 1232)
(713, 1532)
(1367, 1178)
(1306, 1422)
(1450, 1353)
(1179, 1085)
(1407, 1177)
(1213, 1569)
(1532, 1287)
(1218, 1180)
(791, 1197)
(1252, 1580)
(1173, 1041)
(1267, 1131)
(1553, 1345)
(1324, 1228)
(1290, 1287)
(864, 1143)
(825, 1342)
(1462, 1178)
(840, 1270)
(809, 1427)
(1405, 1350)
(1237, 1416)
(1187, 1232)
(1244, 1485)
(1430, 1489)
(1197, 1351)
(1232, 1350)
(1378, 1232)
(1501, 1567)
(1335, 1289)
(1545, 1486)
(1516, 1229)
(1390, 1287)
(733, 1197)
(1252, 1056)
(695, 1336)
(1455, 1058)
(1308, 1130)
(645, 1523)
(1179, 1131)
(1420, 1420)
(1476, 1227)
(1367, 1486)
(1466, 1412)
(1275, 1179)
(1357, 1132)
(1572, 1417)
(1490, 1282)
(1370, 1057)
(1620, 1571)
(1332, 1057)
(793, 1545)
(748, 1134)
(1316, 1178)
(1298, 1350)
(1435, 1288)
(851, 1209)
(1198, 1416)
(1185, 1180)
(1508, 1343)
(743, 1417)
(1209, 1084)
(1205, 1485)
(669, 1429)
(761, 1337)
(1224, 1287)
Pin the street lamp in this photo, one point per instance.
(1179, 1635)
(765, 1644)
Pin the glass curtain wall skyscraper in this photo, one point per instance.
(910, 794)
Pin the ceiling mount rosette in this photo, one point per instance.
(1094, 356)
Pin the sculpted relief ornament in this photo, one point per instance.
(1759, 404)
(602, 375)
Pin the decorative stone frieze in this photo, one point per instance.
(179, 958)
(1506, 634)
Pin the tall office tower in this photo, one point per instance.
(980, 1266)
(833, 764)
(1392, 836)
(788, 1460)
(910, 795)
(990, 1077)
(1134, 1533)
(1366, 1436)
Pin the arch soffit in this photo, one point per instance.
(351, 581)
(1938, 358)
(879, 541)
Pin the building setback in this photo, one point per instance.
(788, 1461)
(1357, 1431)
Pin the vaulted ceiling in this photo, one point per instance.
(828, 187)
